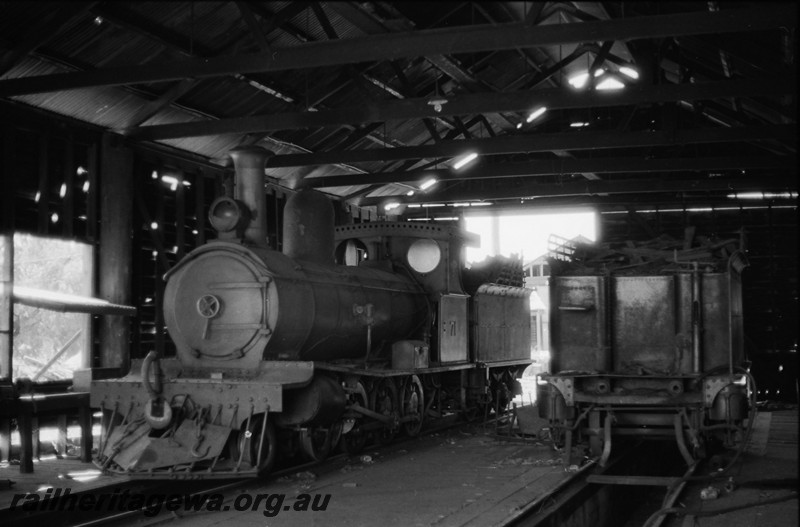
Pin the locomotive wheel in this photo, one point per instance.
(354, 441)
(317, 442)
(247, 443)
(383, 400)
(413, 405)
(288, 443)
(432, 387)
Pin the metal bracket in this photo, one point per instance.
(712, 386)
(566, 387)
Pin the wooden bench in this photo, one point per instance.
(30, 407)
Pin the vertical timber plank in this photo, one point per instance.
(9, 181)
(61, 441)
(91, 198)
(116, 248)
(5, 439)
(163, 259)
(35, 438)
(26, 438)
(69, 182)
(6, 306)
(200, 208)
(44, 183)
(85, 422)
(180, 215)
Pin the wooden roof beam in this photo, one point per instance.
(469, 104)
(445, 64)
(252, 24)
(414, 44)
(585, 188)
(561, 166)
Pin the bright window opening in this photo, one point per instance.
(526, 234)
(50, 345)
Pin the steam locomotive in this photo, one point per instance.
(656, 354)
(352, 332)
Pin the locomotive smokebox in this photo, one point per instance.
(249, 164)
(308, 227)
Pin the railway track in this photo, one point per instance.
(190, 490)
(597, 496)
(590, 496)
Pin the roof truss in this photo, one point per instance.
(390, 46)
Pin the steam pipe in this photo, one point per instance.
(249, 162)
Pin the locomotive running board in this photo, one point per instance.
(360, 370)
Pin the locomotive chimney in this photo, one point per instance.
(308, 232)
(248, 163)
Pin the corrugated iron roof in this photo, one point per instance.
(148, 33)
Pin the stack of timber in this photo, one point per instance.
(660, 255)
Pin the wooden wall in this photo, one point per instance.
(66, 180)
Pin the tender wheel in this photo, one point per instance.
(512, 382)
(354, 441)
(505, 397)
(413, 405)
(318, 442)
(248, 442)
(383, 400)
(501, 396)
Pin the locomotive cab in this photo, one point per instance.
(430, 256)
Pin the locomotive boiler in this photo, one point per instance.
(653, 354)
(350, 333)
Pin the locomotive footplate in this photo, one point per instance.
(360, 369)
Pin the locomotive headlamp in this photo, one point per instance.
(424, 255)
(227, 215)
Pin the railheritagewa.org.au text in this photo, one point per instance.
(118, 500)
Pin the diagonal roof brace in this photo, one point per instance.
(390, 46)
(511, 144)
(467, 104)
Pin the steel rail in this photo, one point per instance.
(228, 487)
(528, 510)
